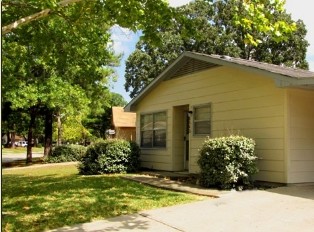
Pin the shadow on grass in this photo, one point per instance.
(21, 163)
(37, 203)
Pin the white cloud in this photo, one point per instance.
(122, 38)
(176, 3)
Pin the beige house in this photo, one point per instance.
(208, 95)
(123, 124)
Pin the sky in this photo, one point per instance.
(125, 41)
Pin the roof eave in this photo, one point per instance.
(280, 79)
(131, 106)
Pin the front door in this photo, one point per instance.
(186, 140)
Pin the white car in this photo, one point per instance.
(22, 144)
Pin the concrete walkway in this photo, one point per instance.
(282, 209)
(169, 184)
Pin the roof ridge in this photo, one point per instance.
(274, 68)
(227, 57)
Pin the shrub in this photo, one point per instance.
(66, 153)
(39, 145)
(227, 162)
(110, 156)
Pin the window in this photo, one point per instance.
(153, 130)
(202, 120)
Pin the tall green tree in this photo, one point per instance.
(252, 15)
(211, 29)
(57, 65)
(65, 44)
(133, 14)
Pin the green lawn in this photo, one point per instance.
(37, 199)
(21, 150)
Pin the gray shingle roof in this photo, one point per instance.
(283, 70)
(190, 62)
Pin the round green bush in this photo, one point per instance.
(66, 153)
(227, 162)
(110, 156)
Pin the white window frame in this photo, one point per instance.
(195, 121)
(153, 130)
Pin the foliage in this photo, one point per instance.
(61, 64)
(133, 14)
(98, 123)
(66, 153)
(110, 156)
(14, 120)
(41, 199)
(73, 130)
(261, 16)
(210, 29)
(227, 162)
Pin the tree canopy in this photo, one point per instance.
(211, 29)
(132, 14)
(62, 63)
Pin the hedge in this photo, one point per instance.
(66, 153)
(110, 156)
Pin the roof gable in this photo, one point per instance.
(190, 62)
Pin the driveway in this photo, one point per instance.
(7, 158)
(282, 210)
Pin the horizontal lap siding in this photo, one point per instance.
(252, 107)
(248, 105)
(301, 165)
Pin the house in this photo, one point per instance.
(202, 95)
(5, 139)
(123, 124)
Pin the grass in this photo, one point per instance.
(21, 150)
(37, 199)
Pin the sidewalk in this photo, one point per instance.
(246, 211)
(283, 209)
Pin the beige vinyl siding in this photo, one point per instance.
(241, 103)
(301, 143)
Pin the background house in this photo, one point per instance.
(123, 124)
(208, 95)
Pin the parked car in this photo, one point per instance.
(21, 144)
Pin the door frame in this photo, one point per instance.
(186, 140)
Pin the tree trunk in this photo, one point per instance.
(8, 139)
(48, 133)
(36, 16)
(59, 125)
(13, 139)
(31, 128)
(35, 139)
